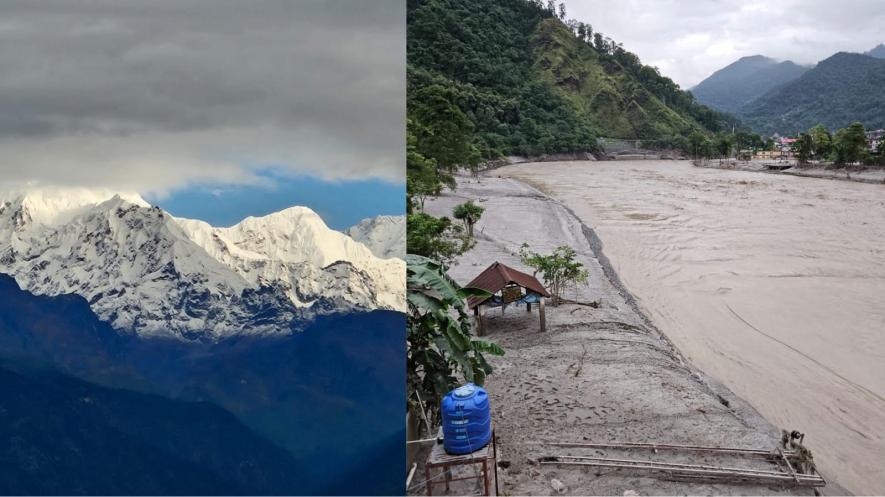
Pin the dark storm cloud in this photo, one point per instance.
(97, 91)
(689, 39)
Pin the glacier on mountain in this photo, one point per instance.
(150, 273)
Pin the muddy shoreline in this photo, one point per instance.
(859, 174)
(771, 284)
(597, 374)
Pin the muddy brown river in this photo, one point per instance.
(773, 284)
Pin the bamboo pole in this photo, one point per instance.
(676, 465)
(806, 480)
(411, 474)
(695, 448)
(789, 466)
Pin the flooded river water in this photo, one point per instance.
(773, 284)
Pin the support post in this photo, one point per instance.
(428, 484)
(477, 320)
(528, 307)
(541, 312)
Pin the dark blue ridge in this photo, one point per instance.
(332, 395)
(60, 435)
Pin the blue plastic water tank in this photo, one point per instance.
(466, 419)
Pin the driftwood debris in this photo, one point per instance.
(594, 304)
(579, 366)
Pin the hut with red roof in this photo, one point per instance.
(507, 286)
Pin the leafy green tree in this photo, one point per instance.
(744, 140)
(803, 147)
(822, 140)
(741, 140)
(445, 132)
(558, 269)
(419, 187)
(435, 237)
(439, 342)
(582, 31)
(723, 145)
(695, 140)
(678, 143)
(850, 144)
(422, 177)
(699, 144)
(599, 43)
(469, 213)
(756, 142)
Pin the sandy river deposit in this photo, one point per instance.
(774, 285)
(598, 374)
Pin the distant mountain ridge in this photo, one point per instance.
(745, 80)
(60, 435)
(878, 51)
(150, 273)
(782, 97)
(841, 89)
(385, 236)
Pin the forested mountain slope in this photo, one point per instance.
(743, 81)
(844, 88)
(522, 80)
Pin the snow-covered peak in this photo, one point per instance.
(295, 248)
(148, 272)
(57, 205)
(293, 235)
(385, 236)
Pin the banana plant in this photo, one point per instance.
(440, 346)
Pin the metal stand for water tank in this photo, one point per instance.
(485, 456)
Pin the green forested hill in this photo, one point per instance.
(844, 88)
(520, 81)
(744, 80)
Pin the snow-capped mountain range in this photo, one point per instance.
(385, 236)
(150, 273)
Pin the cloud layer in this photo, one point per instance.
(154, 95)
(690, 39)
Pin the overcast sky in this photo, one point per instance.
(153, 95)
(690, 39)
